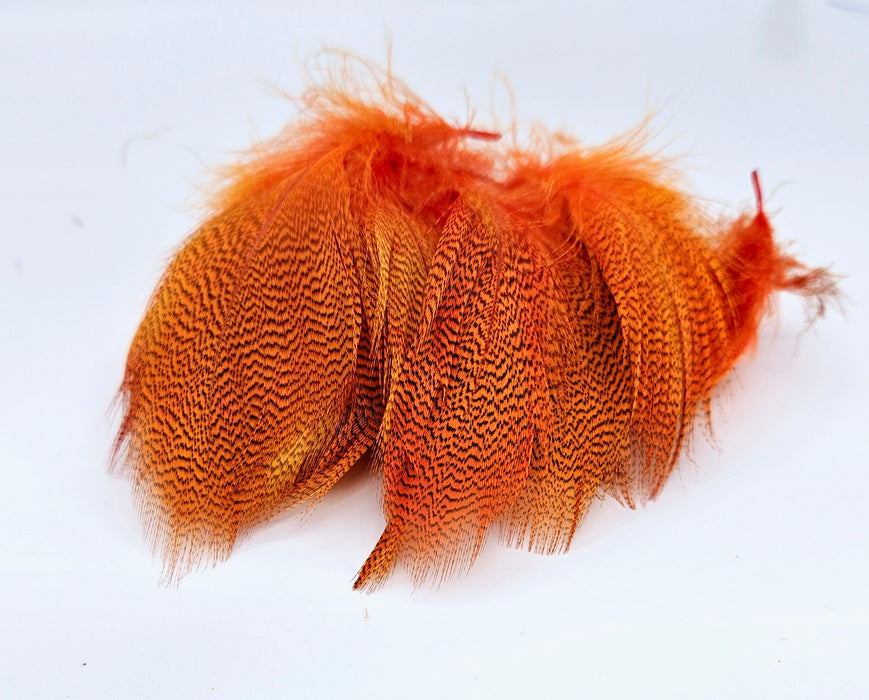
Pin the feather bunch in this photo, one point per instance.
(506, 335)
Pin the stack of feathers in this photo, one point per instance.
(505, 335)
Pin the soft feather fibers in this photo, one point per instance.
(506, 334)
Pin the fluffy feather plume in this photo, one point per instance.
(508, 335)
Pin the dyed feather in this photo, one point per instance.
(507, 335)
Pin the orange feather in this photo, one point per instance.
(509, 336)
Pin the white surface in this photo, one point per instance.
(747, 578)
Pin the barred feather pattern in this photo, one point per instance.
(506, 335)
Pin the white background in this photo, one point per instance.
(748, 576)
